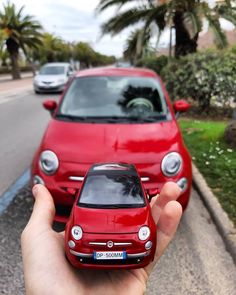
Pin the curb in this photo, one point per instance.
(223, 223)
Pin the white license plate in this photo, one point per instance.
(109, 255)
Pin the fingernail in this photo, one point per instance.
(35, 190)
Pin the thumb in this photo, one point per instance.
(44, 209)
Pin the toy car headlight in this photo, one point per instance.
(171, 164)
(48, 162)
(144, 233)
(77, 232)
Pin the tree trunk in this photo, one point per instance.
(184, 44)
(15, 66)
(13, 49)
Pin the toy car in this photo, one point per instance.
(111, 224)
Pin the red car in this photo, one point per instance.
(112, 115)
(111, 224)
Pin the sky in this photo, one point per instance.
(76, 21)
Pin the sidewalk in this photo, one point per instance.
(9, 85)
(8, 77)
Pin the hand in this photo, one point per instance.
(47, 270)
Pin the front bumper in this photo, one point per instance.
(46, 89)
(82, 255)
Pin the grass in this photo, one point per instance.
(214, 158)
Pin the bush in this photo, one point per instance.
(204, 77)
(154, 63)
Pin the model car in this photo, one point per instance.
(111, 224)
(52, 77)
(117, 115)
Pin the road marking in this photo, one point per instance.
(11, 193)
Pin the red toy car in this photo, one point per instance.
(111, 224)
(112, 115)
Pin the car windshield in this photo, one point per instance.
(114, 98)
(52, 70)
(112, 191)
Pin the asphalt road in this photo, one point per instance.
(195, 263)
(22, 123)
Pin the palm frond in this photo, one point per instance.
(123, 20)
(228, 13)
(104, 4)
(192, 23)
(219, 35)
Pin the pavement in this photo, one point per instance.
(224, 225)
(8, 77)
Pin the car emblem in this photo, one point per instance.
(109, 244)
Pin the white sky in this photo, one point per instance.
(76, 21)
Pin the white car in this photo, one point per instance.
(52, 77)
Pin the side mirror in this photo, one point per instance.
(70, 73)
(50, 105)
(181, 106)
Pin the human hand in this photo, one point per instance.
(47, 271)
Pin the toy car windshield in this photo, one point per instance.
(112, 189)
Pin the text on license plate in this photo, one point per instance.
(109, 255)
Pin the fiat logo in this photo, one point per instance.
(109, 244)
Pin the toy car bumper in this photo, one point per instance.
(132, 253)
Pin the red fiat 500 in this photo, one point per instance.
(111, 224)
(112, 115)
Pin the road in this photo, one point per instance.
(22, 123)
(195, 263)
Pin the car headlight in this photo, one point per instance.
(48, 162)
(144, 233)
(171, 164)
(77, 232)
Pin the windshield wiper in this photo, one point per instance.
(70, 117)
(148, 119)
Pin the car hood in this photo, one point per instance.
(49, 78)
(111, 220)
(93, 143)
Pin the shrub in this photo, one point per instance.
(204, 77)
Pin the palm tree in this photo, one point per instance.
(52, 49)
(137, 45)
(186, 16)
(20, 32)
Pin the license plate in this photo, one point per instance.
(109, 255)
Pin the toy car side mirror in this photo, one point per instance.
(50, 105)
(181, 106)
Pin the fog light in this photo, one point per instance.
(71, 244)
(183, 184)
(38, 180)
(148, 245)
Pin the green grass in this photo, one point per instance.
(214, 158)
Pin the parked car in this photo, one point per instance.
(112, 115)
(52, 77)
(111, 224)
